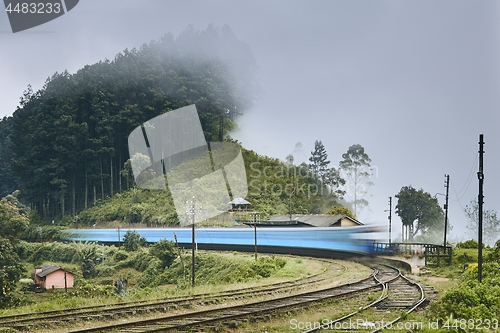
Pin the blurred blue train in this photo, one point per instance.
(326, 242)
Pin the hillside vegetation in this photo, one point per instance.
(66, 145)
(74, 165)
(106, 274)
(269, 184)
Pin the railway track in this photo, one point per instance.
(399, 294)
(29, 321)
(233, 315)
(395, 292)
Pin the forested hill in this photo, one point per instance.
(8, 182)
(67, 143)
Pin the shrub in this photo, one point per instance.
(104, 270)
(121, 256)
(266, 266)
(468, 244)
(87, 290)
(165, 251)
(472, 299)
(132, 240)
(25, 250)
(150, 276)
(36, 233)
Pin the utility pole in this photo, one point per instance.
(292, 191)
(192, 250)
(390, 220)
(255, 238)
(65, 283)
(256, 217)
(447, 185)
(119, 236)
(192, 210)
(480, 197)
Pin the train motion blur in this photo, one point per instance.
(332, 241)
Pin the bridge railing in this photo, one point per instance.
(421, 253)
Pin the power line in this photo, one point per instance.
(469, 178)
(458, 200)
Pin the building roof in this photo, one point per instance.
(238, 201)
(315, 220)
(47, 269)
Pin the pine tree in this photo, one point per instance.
(319, 160)
(329, 177)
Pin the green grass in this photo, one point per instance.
(214, 272)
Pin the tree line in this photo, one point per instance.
(66, 144)
(355, 166)
(423, 218)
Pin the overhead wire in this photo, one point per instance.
(463, 209)
(468, 181)
(465, 187)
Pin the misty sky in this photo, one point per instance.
(414, 82)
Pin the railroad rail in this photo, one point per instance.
(31, 320)
(231, 314)
(399, 293)
(396, 292)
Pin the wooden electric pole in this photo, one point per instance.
(192, 250)
(191, 210)
(65, 283)
(390, 221)
(446, 209)
(480, 176)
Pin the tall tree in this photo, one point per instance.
(319, 167)
(69, 139)
(319, 160)
(419, 212)
(491, 223)
(8, 182)
(357, 168)
(12, 224)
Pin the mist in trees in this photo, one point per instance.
(357, 170)
(420, 213)
(491, 223)
(67, 143)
